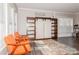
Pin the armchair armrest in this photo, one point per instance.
(19, 44)
(14, 44)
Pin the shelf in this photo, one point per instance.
(31, 34)
(30, 30)
(30, 26)
(31, 22)
(54, 33)
(54, 38)
(54, 25)
(54, 29)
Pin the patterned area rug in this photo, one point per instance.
(51, 47)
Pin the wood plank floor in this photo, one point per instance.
(72, 42)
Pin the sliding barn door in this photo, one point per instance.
(43, 28)
(39, 29)
(47, 28)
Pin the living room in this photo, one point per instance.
(36, 20)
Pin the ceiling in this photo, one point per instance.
(59, 7)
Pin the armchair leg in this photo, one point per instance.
(13, 50)
(25, 49)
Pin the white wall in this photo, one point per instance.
(23, 13)
(76, 18)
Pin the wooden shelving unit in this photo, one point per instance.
(31, 32)
(32, 22)
(54, 28)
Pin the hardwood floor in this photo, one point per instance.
(72, 42)
(69, 41)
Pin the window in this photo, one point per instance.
(2, 25)
(65, 26)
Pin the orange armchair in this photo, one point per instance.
(16, 47)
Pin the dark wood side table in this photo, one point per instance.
(77, 35)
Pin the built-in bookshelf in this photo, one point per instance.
(54, 28)
(31, 31)
(31, 27)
